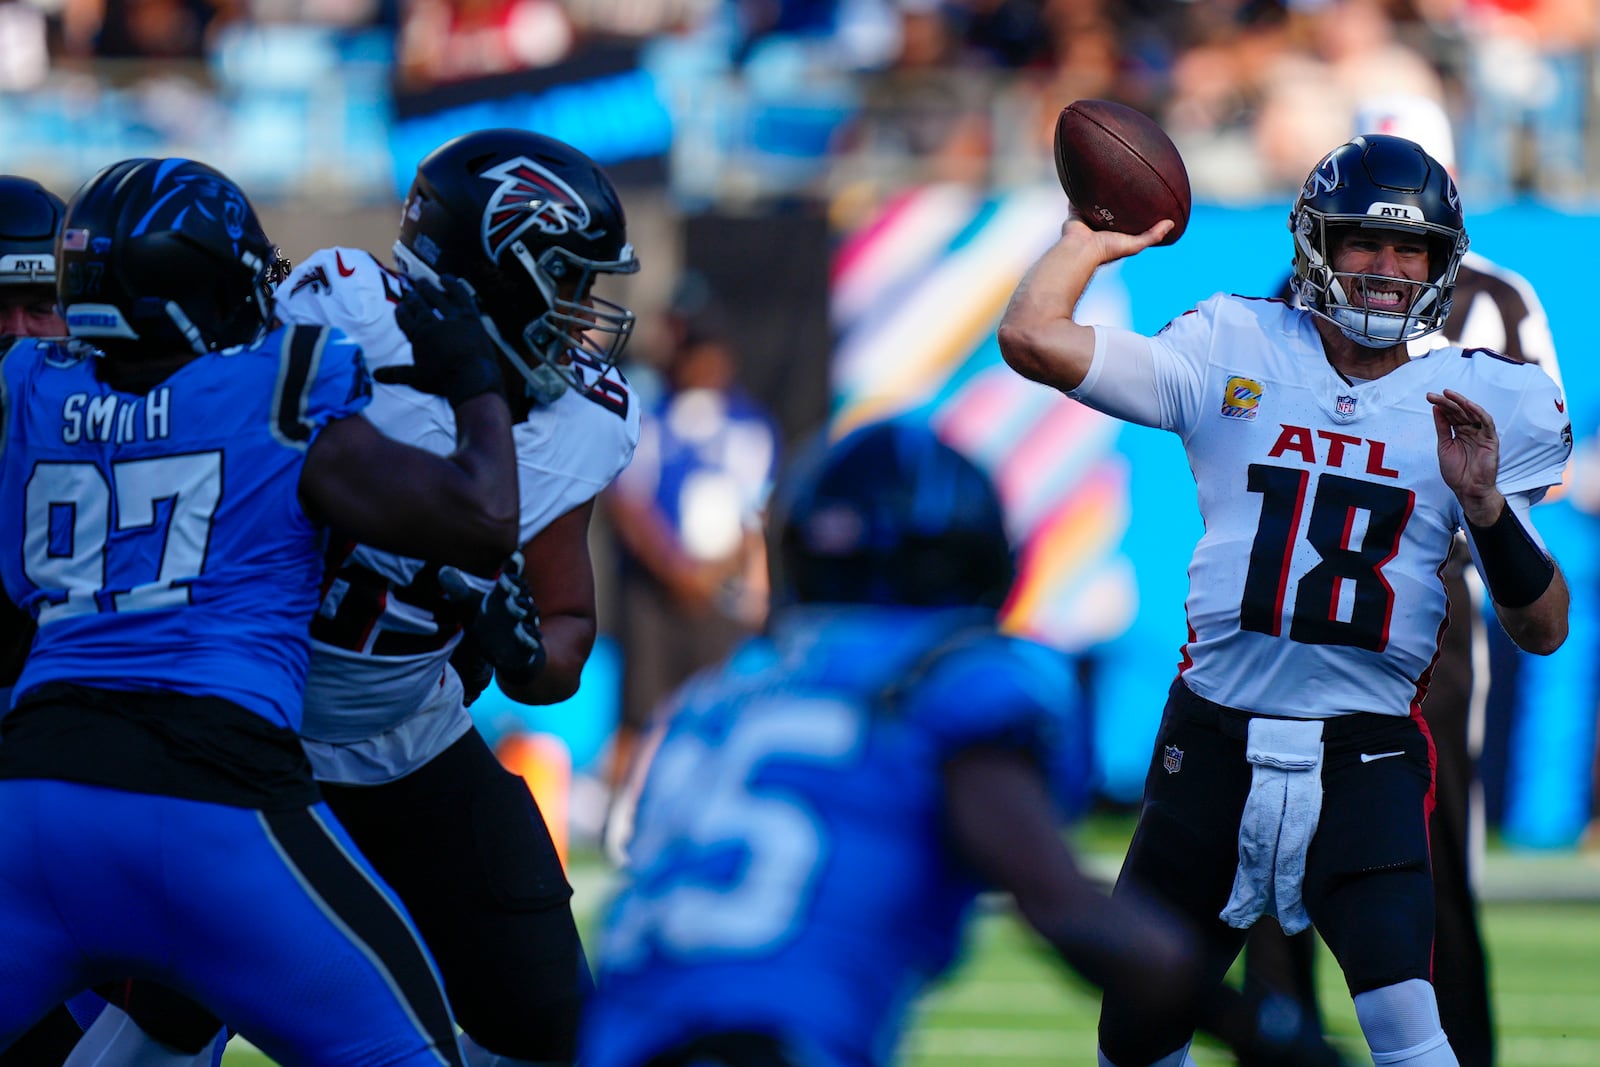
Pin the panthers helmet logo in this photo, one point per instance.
(529, 196)
(179, 190)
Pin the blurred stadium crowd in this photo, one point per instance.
(817, 161)
(813, 97)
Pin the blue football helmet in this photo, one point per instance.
(157, 254)
(30, 218)
(891, 515)
(1381, 182)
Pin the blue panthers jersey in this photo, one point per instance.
(159, 540)
(789, 871)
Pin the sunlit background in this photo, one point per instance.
(858, 185)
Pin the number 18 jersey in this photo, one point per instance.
(1315, 588)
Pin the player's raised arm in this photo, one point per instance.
(1129, 190)
(1038, 336)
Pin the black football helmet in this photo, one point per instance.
(891, 515)
(163, 253)
(30, 218)
(1382, 182)
(530, 223)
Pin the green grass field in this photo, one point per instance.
(1012, 1005)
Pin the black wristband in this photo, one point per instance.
(1517, 570)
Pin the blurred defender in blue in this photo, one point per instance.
(823, 811)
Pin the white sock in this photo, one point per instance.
(1401, 1024)
(115, 1040)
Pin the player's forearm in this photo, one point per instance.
(1540, 627)
(568, 640)
(1038, 337)
(1528, 590)
(486, 455)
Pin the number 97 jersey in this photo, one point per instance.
(159, 539)
(1315, 589)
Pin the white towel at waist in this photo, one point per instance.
(1279, 820)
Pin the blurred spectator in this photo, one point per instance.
(443, 41)
(1343, 50)
(923, 119)
(1528, 73)
(139, 29)
(687, 514)
(1224, 54)
(638, 18)
(24, 56)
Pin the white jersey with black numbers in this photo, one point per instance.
(1315, 588)
(381, 698)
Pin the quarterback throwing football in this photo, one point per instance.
(1293, 774)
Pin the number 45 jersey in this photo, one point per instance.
(1315, 588)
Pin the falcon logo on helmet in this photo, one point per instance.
(529, 196)
(1325, 179)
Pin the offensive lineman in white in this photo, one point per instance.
(1292, 774)
(530, 223)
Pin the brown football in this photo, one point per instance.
(1120, 170)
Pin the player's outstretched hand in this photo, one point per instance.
(452, 354)
(505, 621)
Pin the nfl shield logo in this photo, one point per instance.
(1345, 405)
(1172, 759)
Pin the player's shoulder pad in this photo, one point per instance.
(320, 376)
(598, 430)
(1501, 383)
(1529, 411)
(1217, 308)
(338, 286)
(984, 687)
(24, 355)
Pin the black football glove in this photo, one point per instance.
(505, 624)
(472, 668)
(452, 354)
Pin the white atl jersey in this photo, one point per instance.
(381, 697)
(1315, 589)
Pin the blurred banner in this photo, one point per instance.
(1106, 512)
(599, 100)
